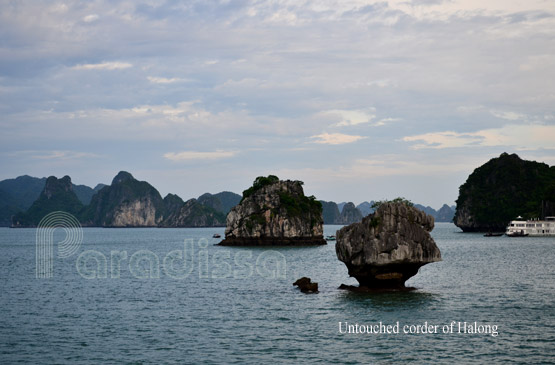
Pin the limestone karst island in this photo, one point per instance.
(275, 212)
(388, 247)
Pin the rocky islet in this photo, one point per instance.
(275, 212)
(388, 247)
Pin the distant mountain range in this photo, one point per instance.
(493, 194)
(17, 195)
(444, 214)
(347, 213)
(127, 202)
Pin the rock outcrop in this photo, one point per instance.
(127, 202)
(445, 214)
(17, 195)
(387, 247)
(330, 212)
(85, 193)
(221, 202)
(502, 189)
(192, 214)
(349, 214)
(141, 212)
(57, 195)
(306, 285)
(274, 212)
(365, 208)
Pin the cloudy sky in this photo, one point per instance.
(359, 99)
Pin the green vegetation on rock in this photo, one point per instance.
(275, 212)
(57, 195)
(194, 214)
(400, 200)
(124, 190)
(222, 202)
(85, 193)
(259, 183)
(330, 212)
(127, 202)
(17, 195)
(298, 205)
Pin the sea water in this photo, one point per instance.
(172, 296)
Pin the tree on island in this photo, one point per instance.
(397, 200)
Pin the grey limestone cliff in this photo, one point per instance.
(349, 214)
(330, 212)
(127, 202)
(445, 214)
(275, 212)
(192, 214)
(221, 202)
(57, 195)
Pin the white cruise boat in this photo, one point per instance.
(532, 228)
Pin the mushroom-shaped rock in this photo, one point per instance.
(388, 247)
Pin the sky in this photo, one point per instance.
(361, 100)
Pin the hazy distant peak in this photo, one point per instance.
(121, 177)
(99, 186)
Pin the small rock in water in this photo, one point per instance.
(306, 285)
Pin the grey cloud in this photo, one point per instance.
(267, 71)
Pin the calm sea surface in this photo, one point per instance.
(171, 296)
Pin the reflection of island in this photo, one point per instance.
(388, 247)
(275, 212)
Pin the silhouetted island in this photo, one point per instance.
(502, 189)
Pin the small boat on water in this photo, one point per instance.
(330, 238)
(216, 235)
(531, 227)
(490, 234)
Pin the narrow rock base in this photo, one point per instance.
(364, 289)
(389, 276)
